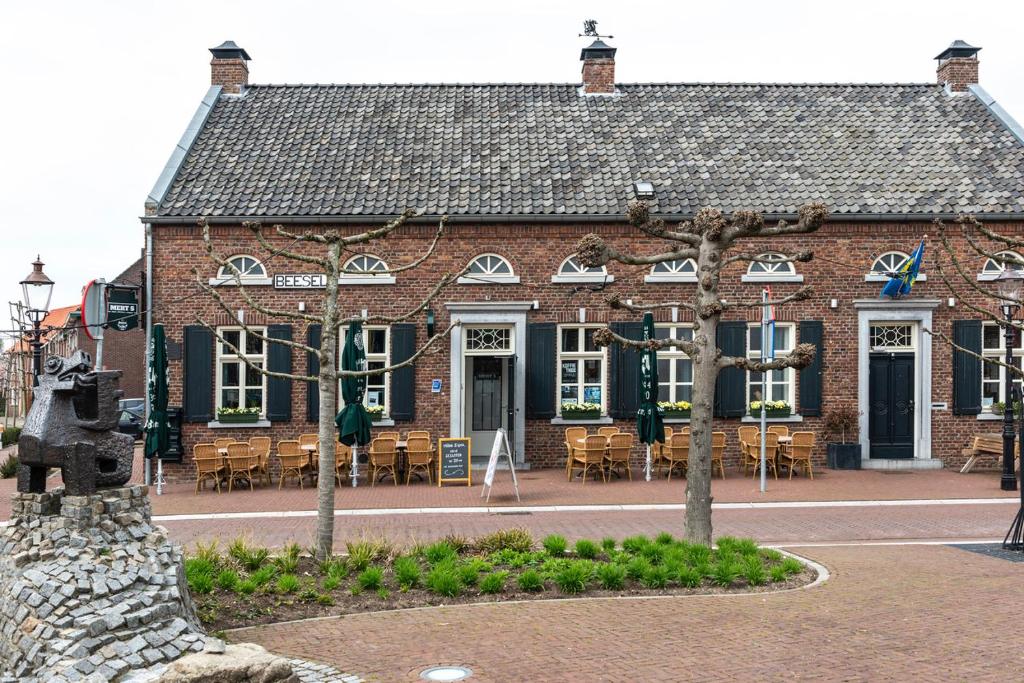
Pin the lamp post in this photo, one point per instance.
(36, 290)
(1008, 286)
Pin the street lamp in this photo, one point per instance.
(36, 290)
(1008, 287)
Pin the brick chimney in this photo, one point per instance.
(958, 66)
(598, 68)
(229, 68)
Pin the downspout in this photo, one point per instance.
(149, 332)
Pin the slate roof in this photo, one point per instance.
(543, 149)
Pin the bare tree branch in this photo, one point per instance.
(414, 264)
(968, 279)
(615, 302)
(605, 337)
(991, 360)
(242, 357)
(751, 257)
(800, 357)
(801, 294)
(994, 236)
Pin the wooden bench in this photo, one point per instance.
(984, 444)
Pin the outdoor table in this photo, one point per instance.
(401, 448)
(310, 449)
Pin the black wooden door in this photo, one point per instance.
(486, 394)
(891, 405)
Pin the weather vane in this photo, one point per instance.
(590, 29)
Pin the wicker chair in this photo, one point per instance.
(418, 457)
(746, 435)
(209, 465)
(678, 453)
(383, 459)
(260, 447)
(222, 445)
(607, 431)
(659, 451)
(342, 460)
(771, 452)
(591, 455)
(294, 461)
(619, 447)
(242, 465)
(389, 435)
(718, 452)
(799, 453)
(781, 430)
(307, 440)
(572, 435)
(419, 433)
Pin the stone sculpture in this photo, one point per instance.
(71, 425)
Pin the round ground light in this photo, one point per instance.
(446, 673)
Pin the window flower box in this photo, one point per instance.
(999, 408)
(678, 410)
(238, 415)
(771, 409)
(376, 413)
(581, 411)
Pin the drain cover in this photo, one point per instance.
(446, 673)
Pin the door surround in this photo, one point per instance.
(901, 310)
(482, 313)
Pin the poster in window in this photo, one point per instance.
(569, 371)
(592, 394)
(374, 398)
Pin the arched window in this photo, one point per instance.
(489, 268)
(363, 264)
(248, 267)
(772, 267)
(572, 270)
(993, 267)
(679, 270)
(888, 263)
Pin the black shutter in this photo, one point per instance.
(403, 381)
(313, 369)
(731, 387)
(541, 351)
(966, 368)
(811, 332)
(625, 372)
(197, 374)
(279, 389)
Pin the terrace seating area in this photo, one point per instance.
(608, 451)
(227, 463)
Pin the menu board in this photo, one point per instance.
(453, 461)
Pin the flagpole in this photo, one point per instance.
(764, 395)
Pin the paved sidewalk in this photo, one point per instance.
(887, 613)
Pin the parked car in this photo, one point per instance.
(132, 421)
(136, 405)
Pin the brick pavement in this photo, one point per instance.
(887, 613)
(787, 525)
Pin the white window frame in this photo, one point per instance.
(993, 269)
(571, 271)
(508, 351)
(876, 275)
(789, 379)
(226, 278)
(998, 354)
(225, 356)
(365, 277)
(675, 272)
(371, 357)
(601, 354)
(771, 276)
(674, 354)
(490, 278)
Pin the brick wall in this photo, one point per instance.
(599, 76)
(958, 73)
(845, 253)
(231, 74)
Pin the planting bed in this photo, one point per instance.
(245, 585)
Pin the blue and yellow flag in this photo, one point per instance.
(903, 279)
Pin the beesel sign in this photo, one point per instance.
(300, 281)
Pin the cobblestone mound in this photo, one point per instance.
(90, 589)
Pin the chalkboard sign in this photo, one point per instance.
(453, 463)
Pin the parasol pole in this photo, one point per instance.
(355, 464)
(764, 395)
(648, 467)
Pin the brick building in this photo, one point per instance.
(525, 170)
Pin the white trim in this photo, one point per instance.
(258, 424)
(769, 418)
(221, 357)
(246, 281)
(582, 356)
(900, 310)
(790, 373)
(488, 313)
(878, 277)
(605, 420)
(489, 280)
(652, 279)
(366, 279)
(595, 278)
(770, 277)
(504, 353)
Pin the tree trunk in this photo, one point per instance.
(328, 409)
(698, 469)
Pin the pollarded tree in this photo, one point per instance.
(324, 252)
(711, 240)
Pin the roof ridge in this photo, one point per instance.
(746, 84)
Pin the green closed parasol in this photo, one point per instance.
(156, 421)
(353, 421)
(649, 418)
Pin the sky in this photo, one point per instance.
(96, 94)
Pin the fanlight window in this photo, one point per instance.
(364, 265)
(247, 266)
(771, 265)
(571, 266)
(677, 267)
(888, 263)
(994, 267)
(490, 265)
